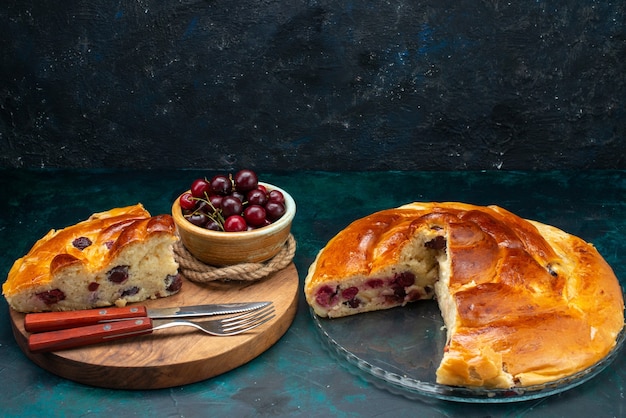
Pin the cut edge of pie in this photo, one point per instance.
(523, 303)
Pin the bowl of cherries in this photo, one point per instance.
(233, 219)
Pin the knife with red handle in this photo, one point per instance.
(92, 334)
(51, 321)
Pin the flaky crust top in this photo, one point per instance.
(108, 233)
(543, 299)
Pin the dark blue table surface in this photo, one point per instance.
(297, 376)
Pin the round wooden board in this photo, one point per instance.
(176, 356)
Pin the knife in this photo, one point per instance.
(63, 339)
(52, 321)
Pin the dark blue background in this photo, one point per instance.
(297, 377)
(324, 85)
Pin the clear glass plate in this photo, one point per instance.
(400, 349)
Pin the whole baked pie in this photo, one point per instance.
(523, 303)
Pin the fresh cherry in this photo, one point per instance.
(246, 180)
(239, 195)
(198, 218)
(221, 184)
(187, 202)
(276, 196)
(254, 215)
(213, 225)
(235, 223)
(210, 204)
(200, 187)
(216, 201)
(274, 210)
(204, 207)
(231, 206)
(257, 197)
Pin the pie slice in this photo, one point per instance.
(115, 257)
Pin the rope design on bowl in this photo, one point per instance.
(197, 271)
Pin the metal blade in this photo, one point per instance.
(205, 310)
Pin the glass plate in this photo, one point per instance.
(378, 347)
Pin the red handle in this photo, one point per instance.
(51, 321)
(92, 334)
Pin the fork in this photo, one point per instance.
(225, 327)
(92, 334)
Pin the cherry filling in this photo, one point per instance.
(173, 283)
(399, 283)
(403, 279)
(349, 295)
(327, 296)
(437, 243)
(118, 274)
(375, 283)
(350, 292)
(51, 297)
(81, 243)
(353, 303)
(130, 291)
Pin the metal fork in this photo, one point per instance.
(229, 326)
(92, 334)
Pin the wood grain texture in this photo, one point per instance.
(176, 356)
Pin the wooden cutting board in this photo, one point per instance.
(176, 356)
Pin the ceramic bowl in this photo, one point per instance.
(218, 248)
